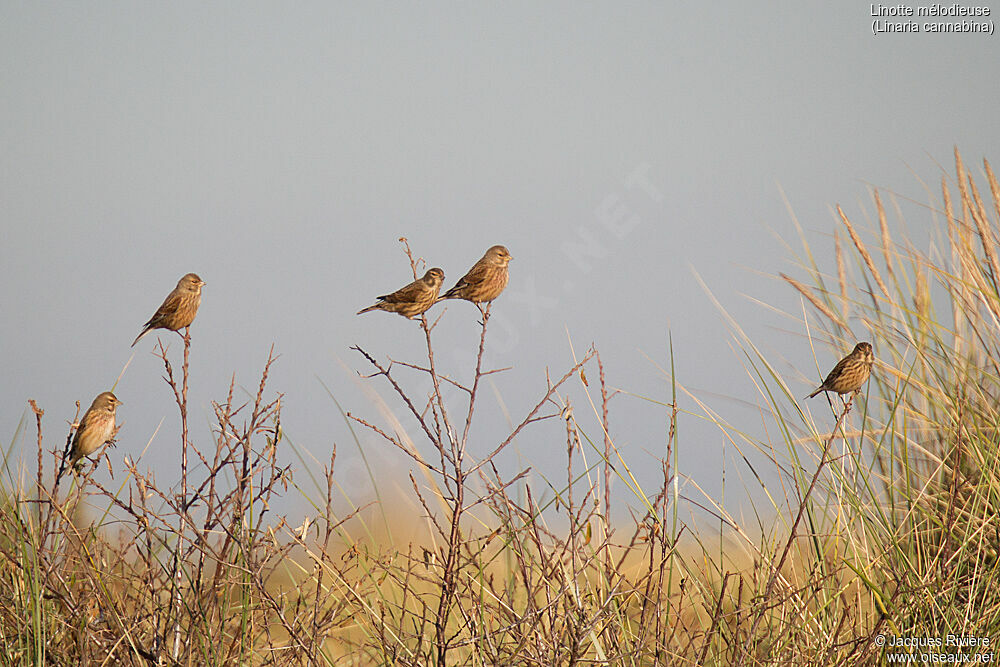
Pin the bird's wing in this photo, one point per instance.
(836, 370)
(477, 273)
(88, 416)
(474, 275)
(169, 305)
(405, 294)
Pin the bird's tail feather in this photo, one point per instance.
(141, 334)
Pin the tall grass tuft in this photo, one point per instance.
(901, 534)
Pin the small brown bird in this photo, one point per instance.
(96, 427)
(178, 309)
(485, 280)
(850, 372)
(413, 299)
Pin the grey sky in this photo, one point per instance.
(279, 150)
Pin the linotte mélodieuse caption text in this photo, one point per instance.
(937, 18)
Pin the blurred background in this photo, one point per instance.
(628, 156)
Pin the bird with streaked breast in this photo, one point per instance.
(485, 280)
(413, 299)
(179, 309)
(96, 427)
(850, 372)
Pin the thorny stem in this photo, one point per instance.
(66, 449)
(184, 413)
(458, 501)
(182, 405)
(476, 378)
(39, 413)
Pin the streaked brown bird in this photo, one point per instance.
(413, 299)
(178, 310)
(485, 280)
(850, 372)
(96, 427)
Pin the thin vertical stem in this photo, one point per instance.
(776, 572)
(182, 404)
